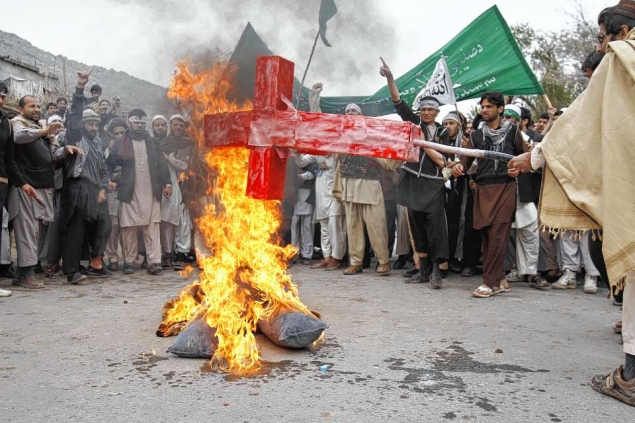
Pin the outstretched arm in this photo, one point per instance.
(403, 110)
(385, 71)
(74, 120)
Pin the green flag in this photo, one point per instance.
(327, 11)
(483, 57)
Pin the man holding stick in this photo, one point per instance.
(495, 192)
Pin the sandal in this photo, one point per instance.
(484, 291)
(383, 269)
(504, 286)
(321, 265)
(614, 386)
(52, 269)
(618, 328)
(538, 282)
(353, 270)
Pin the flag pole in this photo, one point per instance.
(297, 101)
(459, 136)
(547, 101)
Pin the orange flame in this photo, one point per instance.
(244, 279)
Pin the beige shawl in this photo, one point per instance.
(589, 181)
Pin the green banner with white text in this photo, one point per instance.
(483, 57)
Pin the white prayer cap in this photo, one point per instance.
(157, 117)
(177, 116)
(54, 118)
(353, 106)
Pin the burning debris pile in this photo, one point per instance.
(244, 280)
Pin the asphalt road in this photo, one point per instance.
(396, 353)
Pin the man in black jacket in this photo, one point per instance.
(8, 168)
(422, 189)
(31, 198)
(144, 179)
(495, 191)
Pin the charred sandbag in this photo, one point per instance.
(292, 329)
(197, 340)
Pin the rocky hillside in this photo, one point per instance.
(134, 92)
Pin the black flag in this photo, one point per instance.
(327, 11)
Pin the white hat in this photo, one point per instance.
(54, 118)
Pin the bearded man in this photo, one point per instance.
(144, 179)
(84, 210)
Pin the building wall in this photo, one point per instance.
(8, 69)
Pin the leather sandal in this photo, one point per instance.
(618, 328)
(333, 265)
(321, 265)
(614, 386)
(537, 282)
(353, 270)
(383, 269)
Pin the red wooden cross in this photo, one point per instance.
(273, 127)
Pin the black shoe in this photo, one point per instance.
(468, 272)
(436, 281)
(154, 269)
(456, 266)
(77, 278)
(166, 261)
(410, 272)
(6, 271)
(177, 262)
(113, 267)
(128, 269)
(82, 269)
(100, 273)
(418, 278)
(144, 263)
(444, 273)
(400, 263)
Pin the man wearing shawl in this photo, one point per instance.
(495, 192)
(144, 179)
(589, 185)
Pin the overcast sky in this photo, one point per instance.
(146, 37)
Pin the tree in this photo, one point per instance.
(556, 56)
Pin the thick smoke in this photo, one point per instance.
(358, 33)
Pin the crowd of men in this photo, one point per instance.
(110, 188)
(442, 213)
(96, 182)
(450, 211)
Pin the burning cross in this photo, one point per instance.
(274, 126)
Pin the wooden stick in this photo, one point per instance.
(469, 152)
